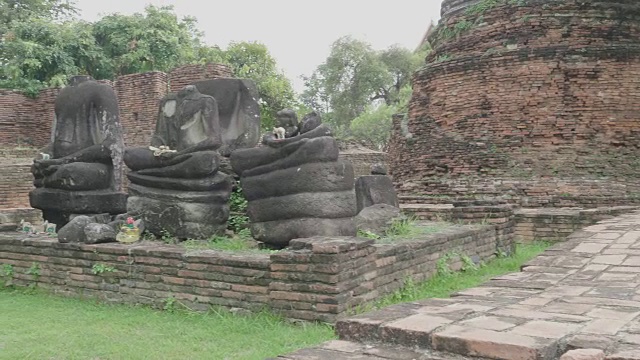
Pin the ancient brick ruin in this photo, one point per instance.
(533, 100)
(27, 121)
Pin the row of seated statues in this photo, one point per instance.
(295, 184)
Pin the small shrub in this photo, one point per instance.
(442, 265)
(147, 236)
(238, 218)
(402, 227)
(34, 271)
(169, 304)
(481, 7)
(167, 237)
(98, 269)
(6, 273)
(368, 235)
(467, 263)
(443, 58)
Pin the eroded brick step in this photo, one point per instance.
(347, 350)
(461, 326)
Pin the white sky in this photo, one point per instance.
(298, 33)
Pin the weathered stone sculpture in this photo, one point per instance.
(376, 188)
(297, 188)
(238, 111)
(82, 172)
(180, 190)
(288, 120)
(309, 122)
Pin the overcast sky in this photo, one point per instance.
(298, 33)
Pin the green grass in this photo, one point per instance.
(444, 284)
(407, 229)
(39, 326)
(222, 243)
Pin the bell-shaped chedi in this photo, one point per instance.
(176, 185)
(536, 100)
(238, 111)
(81, 172)
(296, 187)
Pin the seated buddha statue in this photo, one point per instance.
(81, 173)
(187, 123)
(175, 183)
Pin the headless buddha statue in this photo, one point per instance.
(85, 138)
(85, 154)
(187, 123)
(175, 183)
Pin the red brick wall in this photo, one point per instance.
(545, 90)
(138, 98)
(44, 113)
(189, 74)
(15, 183)
(15, 116)
(26, 121)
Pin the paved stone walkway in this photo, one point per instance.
(580, 294)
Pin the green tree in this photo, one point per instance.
(358, 82)
(348, 80)
(253, 61)
(17, 11)
(401, 64)
(374, 124)
(155, 40)
(42, 53)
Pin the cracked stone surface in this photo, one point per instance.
(581, 294)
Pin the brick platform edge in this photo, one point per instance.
(558, 224)
(528, 225)
(316, 279)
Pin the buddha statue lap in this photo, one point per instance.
(82, 171)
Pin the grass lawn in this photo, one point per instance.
(41, 326)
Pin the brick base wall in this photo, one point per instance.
(531, 192)
(315, 279)
(557, 224)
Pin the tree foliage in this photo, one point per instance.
(252, 60)
(155, 40)
(40, 50)
(359, 83)
(373, 126)
(17, 11)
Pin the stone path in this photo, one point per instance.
(580, 294)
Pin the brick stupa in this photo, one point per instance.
(537, 101)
